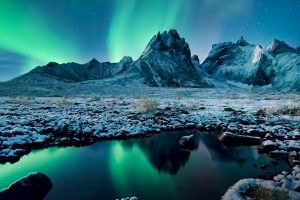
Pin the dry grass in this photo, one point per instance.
(262, 193)
(145, 105)
(22, 100)
(62, 102)
(292, 110)
(262, 112)
(95, 99)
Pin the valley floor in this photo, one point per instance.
(270, 118)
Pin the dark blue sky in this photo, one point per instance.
(34, 32)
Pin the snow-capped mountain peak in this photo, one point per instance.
(276, 47)
(169, 41)
(167, 62)
(276, 66)
(195, 60)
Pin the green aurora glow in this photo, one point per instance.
(130, 30)
(78, 30)
(129, 165)
(30, 35)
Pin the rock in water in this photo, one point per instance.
(230, 139)
(35, 186)
(188, 142)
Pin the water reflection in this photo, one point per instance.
(219, 152)
(150, 168)
(167, 155)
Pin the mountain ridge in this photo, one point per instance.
(167, 62)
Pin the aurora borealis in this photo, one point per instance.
(34, 32)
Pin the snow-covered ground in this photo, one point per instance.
(28, 123)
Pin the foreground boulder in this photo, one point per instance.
(35, 186)
(285, 185)
(230, 139)
(259, 189)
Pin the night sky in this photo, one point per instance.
(34, 32)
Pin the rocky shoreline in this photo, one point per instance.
(35, 123)
(27, 127)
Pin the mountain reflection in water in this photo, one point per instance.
(156, 167)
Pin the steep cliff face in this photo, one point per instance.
(167, 62)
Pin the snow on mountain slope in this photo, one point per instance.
(233, 61)
(167, 62)
(286, 71)
(277, 65)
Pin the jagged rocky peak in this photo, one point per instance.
(242, 42)
(277, 47)
(94, 61)
(126, 60)
(195, 60)
(51, 64)
(169, 41)
(221, 46)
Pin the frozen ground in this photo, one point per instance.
(28, 123)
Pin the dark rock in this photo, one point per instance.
(48, 130)
(168, 109)
(229, 109)
(263, 167)
(33, 187)
(256, 132)
(267, 146)
(230, 139)
(195, 60)
(278, 154)
(184, 112)
(242, 42)
(188, 142)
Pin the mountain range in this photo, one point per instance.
(167, 62)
